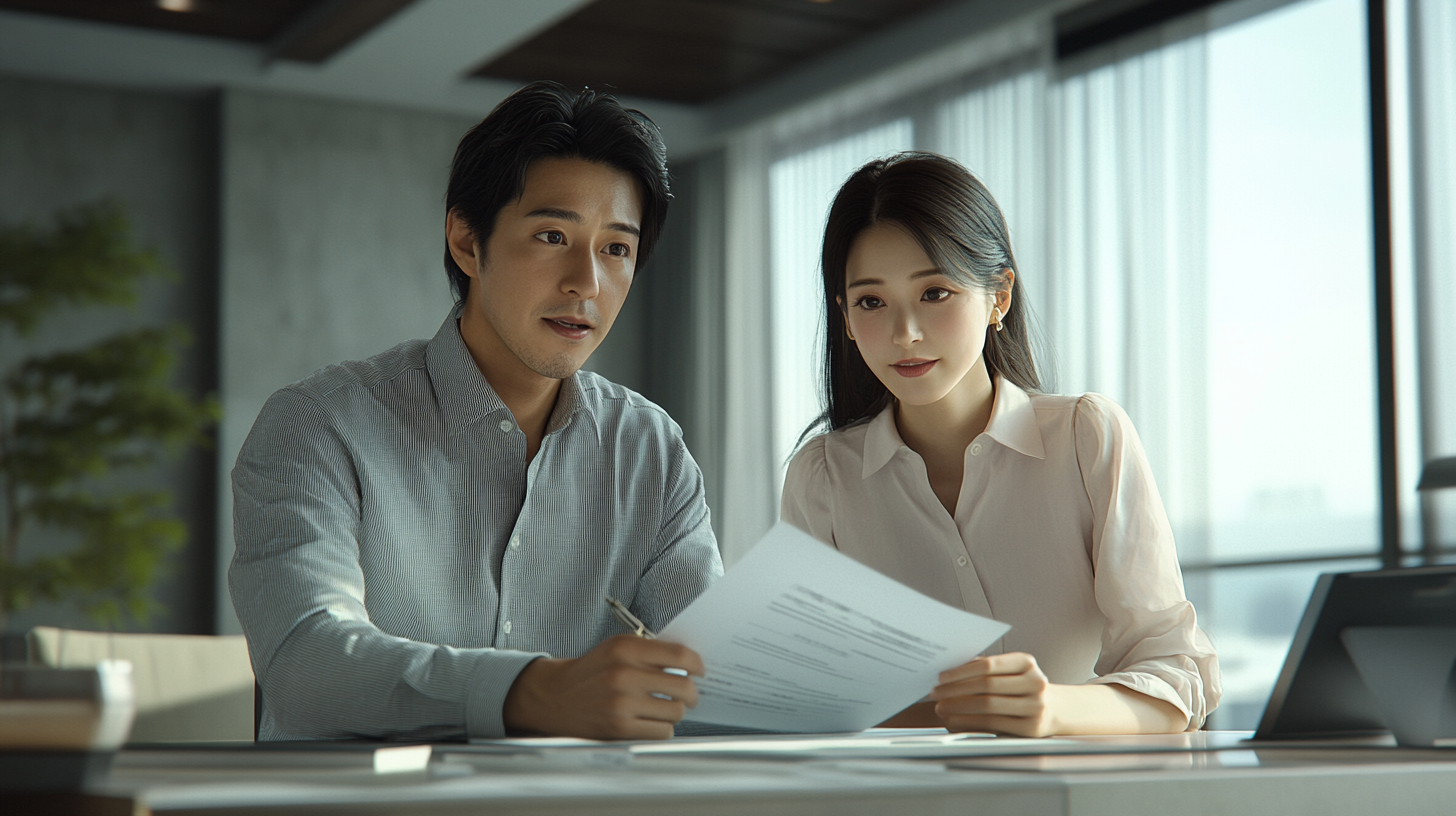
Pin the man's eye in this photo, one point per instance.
(935, 293)
(551, 237)
(620, 250)
(868, 302)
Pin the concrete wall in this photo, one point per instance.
(332, 237)
(63, 145)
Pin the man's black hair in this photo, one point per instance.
(544, 120)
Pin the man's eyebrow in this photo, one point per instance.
(555, 212)
(575, 218)
(924, 273)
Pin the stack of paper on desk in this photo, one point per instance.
(801, 638)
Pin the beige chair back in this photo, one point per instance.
(188, 687)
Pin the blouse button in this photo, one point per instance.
(506, 627)
(505, 426)
(975, 448)
(515, 542)
(962, 561)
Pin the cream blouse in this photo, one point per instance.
(1058, 531)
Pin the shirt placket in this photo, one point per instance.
(508, 626)
(964, 562)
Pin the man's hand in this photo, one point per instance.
(607, 693)
(1001, 694)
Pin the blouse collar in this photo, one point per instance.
(1013, 424)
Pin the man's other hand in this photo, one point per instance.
(619, 690)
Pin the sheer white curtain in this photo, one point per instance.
(1127, 276)
(998, 131)
(1433, 105)
(801, 189)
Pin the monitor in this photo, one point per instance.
(1320, 692)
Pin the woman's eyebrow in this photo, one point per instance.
(924, 273)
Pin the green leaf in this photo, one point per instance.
(87, 257)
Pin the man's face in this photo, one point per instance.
(550, 280)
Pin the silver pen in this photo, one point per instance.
(629, 620)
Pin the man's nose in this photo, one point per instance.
(582, 276)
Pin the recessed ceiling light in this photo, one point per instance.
(180, 5)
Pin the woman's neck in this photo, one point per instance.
(941, 430)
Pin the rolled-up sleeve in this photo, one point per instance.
(1151, 641)
(326, 670)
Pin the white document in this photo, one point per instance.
(800, 637)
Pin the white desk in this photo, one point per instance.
(1245, 781)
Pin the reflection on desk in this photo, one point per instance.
(1210, 772)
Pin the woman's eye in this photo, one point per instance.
(868, 302)
(620, 250)
(551, 237)
(935, 293)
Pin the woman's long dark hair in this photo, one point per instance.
(953, 217)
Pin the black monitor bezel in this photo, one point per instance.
(1319, 693)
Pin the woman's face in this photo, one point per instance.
(919, 330)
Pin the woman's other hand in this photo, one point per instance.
(1000, 694)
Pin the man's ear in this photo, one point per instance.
(463, 246)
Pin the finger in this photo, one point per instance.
(1009, 663)
(675, 687)
(665, 655)
(634, 682)
(990, 704)
(659, 710)
(994, 724)
(975, 668)
(1030, 683)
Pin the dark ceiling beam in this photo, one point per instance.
(330, 27)
(1103, 21)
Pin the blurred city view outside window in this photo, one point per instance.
(1192, 222)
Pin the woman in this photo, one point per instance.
(945, 468)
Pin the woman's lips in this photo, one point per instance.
(568, 328)
(913, 368)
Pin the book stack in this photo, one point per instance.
(60, 728)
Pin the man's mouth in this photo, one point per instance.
(569, 327)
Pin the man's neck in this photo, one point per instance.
(529, 396)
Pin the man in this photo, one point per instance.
(425, 538)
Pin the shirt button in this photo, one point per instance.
(962, 561)
(506, 425)
(506, 627)
(515, 542)
(975, 448)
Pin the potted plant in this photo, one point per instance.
(74, 423)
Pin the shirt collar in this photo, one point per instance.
(1013, 424)
(465, 396)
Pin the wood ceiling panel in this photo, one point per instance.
(692, 51)
(256, 21)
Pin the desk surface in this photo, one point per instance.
(1209, 773)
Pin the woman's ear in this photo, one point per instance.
(464, 249)
(1003, 296)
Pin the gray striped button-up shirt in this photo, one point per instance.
(399, 561)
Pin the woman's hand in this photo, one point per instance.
(1001, 694)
